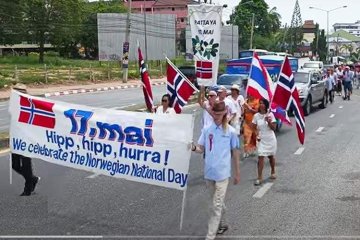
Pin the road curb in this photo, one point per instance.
(82, 90)
(103, 89)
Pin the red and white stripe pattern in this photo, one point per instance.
(204, 69)
(102, 89)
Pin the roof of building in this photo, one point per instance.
(344, 34)
(160, 3)
(175, 2)
(309, 24)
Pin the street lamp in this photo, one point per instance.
(327, 15)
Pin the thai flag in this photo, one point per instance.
(280, 113)
(36, 112)
(259, 83)
(178, 87)
(145, 79)
(287, 97)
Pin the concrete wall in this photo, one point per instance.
(160, 33)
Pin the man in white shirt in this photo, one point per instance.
(230, 107)
(238, 101)
(207, 105)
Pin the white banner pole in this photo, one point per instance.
(10, 167)
(182, 209)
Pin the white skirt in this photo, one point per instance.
(267, 145)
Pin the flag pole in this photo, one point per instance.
(181, 74)
(251, 66)
(10, 167)
(282, 66)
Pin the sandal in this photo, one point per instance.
(273, 176)
(222, 229)
(258, 182)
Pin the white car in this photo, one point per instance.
(311, 89)
(313, 65)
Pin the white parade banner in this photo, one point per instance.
(205, 23)
(140, 147)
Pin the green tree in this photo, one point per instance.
(11, 30)
(355, 56)
(319, 45)
(267, 22)
(348, 48)
(51, 21)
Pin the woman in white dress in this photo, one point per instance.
(165, 106)
(264, 123)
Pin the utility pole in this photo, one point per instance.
(328, 30)
(252, 30)
(317, 41)
(146, 53)
(126, 46)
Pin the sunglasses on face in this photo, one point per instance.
(164, 100)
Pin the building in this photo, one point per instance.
(309, 31)
(342, 42)
(353, 28)
(177, 7)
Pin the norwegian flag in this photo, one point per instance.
(36, 112)
(259, 83)
(280, 113)
(145, 79)
(204, 69)
(287, 97)
(178, 87)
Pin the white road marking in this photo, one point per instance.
(93, 175)
(299, 151)
(341, 106)
(332, 116)
(320, 129)
(261, 192)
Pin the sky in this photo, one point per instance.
(286, 7)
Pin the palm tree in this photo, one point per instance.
(355, 56)
(347, 47)
(274, 19)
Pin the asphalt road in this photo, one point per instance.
(115, 99)
(316, 195)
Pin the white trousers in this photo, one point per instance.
(217, 209)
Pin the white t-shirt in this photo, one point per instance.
(238, 103)
(230, 106)
(169, 110)
(207, 118)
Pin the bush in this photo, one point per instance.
(31, 79)
(52, 54)
(133, 74)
